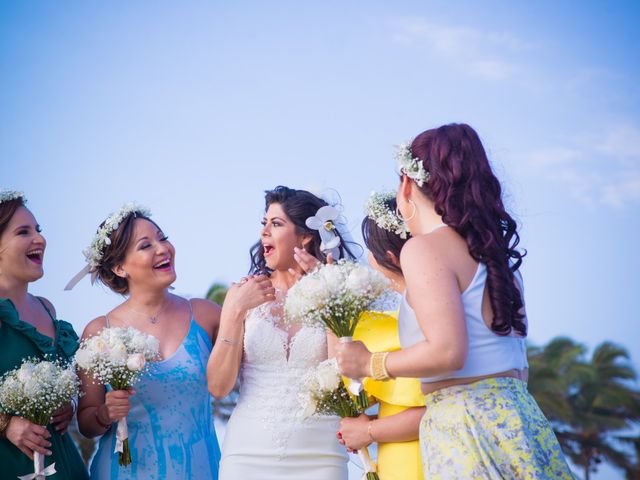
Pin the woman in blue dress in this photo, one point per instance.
(169, 413)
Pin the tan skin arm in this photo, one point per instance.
(225, 359)
(401, 427)
(438, 306)
(96, 403)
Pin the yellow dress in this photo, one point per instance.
(396, 460)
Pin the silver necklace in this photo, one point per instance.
(152, 318)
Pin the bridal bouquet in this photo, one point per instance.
(117, 357)
(35, 391)
(335, 295)
(324, 393)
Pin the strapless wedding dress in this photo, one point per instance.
(266, 437)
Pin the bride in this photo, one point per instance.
(266, 437)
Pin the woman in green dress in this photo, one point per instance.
(28, 328)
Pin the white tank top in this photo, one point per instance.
(487, 353)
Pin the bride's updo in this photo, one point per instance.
(298, 205)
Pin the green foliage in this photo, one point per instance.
(217, 292)
(589, 401)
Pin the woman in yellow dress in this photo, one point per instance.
(400, 401)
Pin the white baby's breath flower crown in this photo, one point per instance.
(7, 195)
(93, 253)
(410, 166)
(378, 211)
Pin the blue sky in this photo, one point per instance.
(194, 108)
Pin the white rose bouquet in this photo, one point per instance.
(117, 357)
(323, 393)
(34, 391)
(335, 295)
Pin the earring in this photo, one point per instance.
(413, 213)
(126, 275)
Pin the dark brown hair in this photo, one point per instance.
(115, 253)
(380, 241)
(8, 210)
(298, 205)
(468, 196)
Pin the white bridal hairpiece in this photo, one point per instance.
(94, 252)
(7, 195)
(378, 211)
(323, 222)
(410, 166)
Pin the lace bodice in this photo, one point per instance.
(276, 357)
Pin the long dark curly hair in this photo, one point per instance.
(298, 205)
(468, 196)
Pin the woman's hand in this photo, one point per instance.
(353, 359)
(28, 437)
(249, 293)
(117, 405)
(62, 418)
(354, 433)
(306, 261)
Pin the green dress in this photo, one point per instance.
(19, 340)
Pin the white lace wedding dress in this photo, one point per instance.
(266, 437)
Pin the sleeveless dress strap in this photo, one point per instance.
(106, 320)
(47, 309)
(190, 310)
(437, 227)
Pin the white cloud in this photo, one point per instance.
(481, 53)
(597, 170)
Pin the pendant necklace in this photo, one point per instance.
(152, 318)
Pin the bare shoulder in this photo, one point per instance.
(94, 327)
(206, 312)
(423, 250)
(49, 306)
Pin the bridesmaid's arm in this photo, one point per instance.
(361, 431)
(96, 410)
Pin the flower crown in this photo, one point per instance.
(94, 252)
(411, 166)
(378, 211)
(8, 195)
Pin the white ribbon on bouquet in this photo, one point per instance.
(368, 464)
(39, 471)
(122, 433)
(355, 385)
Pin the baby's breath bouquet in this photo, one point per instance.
(117, 357)
(35, 391)
(335, 295)
(323, 393)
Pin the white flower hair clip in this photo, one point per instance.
(94, 252)
(323, 222)
(410, 166)
(378, 211)
(8, 195)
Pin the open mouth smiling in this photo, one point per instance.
(36, 255)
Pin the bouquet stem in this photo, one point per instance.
(124, 457)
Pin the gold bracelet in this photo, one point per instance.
(5, 419)
(369, 431)
(377, 366)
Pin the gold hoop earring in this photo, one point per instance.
(413, 213)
